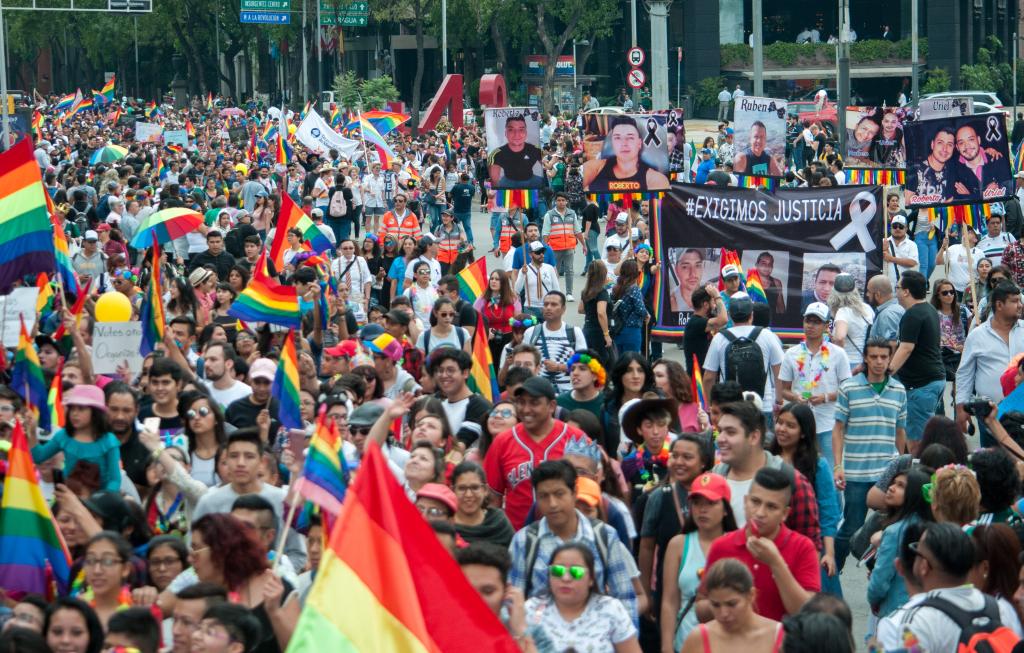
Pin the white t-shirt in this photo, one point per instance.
(435, 269)
(959, 272)
(356, 276)
(937, 632)
(905, 249)
(737, 493)
(832, 374)
(857, 326)
(238, 390)
(993, 246)
(771, 348)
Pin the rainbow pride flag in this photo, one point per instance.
(286, 385)
(755, 288)
(283, 152)
(382, 121)
(253, 149)
(26, 233)
(698, 383)
(37, 124)
(266, 300)
(65, 271)
(190, 130)
(107, 92)
(66, 102)
(56, 398)
(82, 104)
(27, 378)
(370, 134)
(209, 101)
(161, 168)
(292, 217)
(482, 379)
(33, 556)
(152, 311)
(729, 257)
(403, 591)
(473, 280)
(324, 474)
(44, 301)
(305, 110)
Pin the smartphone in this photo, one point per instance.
(297, 442)
(58, 477)
(151, 424)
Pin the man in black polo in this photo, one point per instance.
(516, 164)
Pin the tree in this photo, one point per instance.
(415, 11)
(351, 91)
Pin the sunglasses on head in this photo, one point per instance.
(575, 571)
(202, 411)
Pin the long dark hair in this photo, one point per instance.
(914, 502)
(939, 429)
(185, 403)
(805, 458)
(678, 380)
(185, 303)
(629, 272)
(92, 622)
(588, 562)
(614, 391)
(728, 520)
(597, 275)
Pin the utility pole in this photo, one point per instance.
(659, 52)
(305, 55)
(444, 39)
(632, 43)
(4, 115)
(843, 74)
(756, 18)
(319, 53)
(915, 75)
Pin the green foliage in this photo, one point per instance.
(351, 91)
(936, 81)
(736, 53)
(705, 94)
(782, 54)
(987, 74)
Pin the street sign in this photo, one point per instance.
(328, 6)
(352, 14)
(347, 20)
(266, 5)
(130, 5)
(636, 78)
(265, 17)
(636, 57)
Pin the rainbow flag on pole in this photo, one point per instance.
(292, 217)
(324, 479)
(698, 383)
(403, 592)
(27, 379)
(56, 398)
(65, 271)
(283, 151)
(482, 379)
(755, 288)
(266, 300)
(152, 311)
(286, 385)
(26, 233)
(473, 280)
(382, 121)
(33, 556)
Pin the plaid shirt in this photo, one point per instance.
(1013, 258)
(618, 578)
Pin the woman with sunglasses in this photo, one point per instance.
(501, 418)
(956, 256)
(474, 521)
(709, 516)
(954, 320)
(997, 274)
(444, 333)
(574, 614)
(204, 428)
(406, 254)
(421, 294)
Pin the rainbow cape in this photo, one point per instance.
(152, 311)
(292, 217)
(755, 288)
(482, 379)
(265, 300)
(33, 556)
(27, 378)
(473, 280)
(286, 385)
(26, 234)
(324, 474)
(403, 591)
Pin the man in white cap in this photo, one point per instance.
(536, 280)
(899, 253)
(621, 235)
(811, 373)
(731, 282)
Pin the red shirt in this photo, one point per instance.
(796, 549)
(510, 461)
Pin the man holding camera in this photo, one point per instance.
(987, 351)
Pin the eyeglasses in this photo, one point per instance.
(897, 226)
(447, 371)
(947, 293)
(196, 551)
(159, 563)
(432, 512)
(360, 430)
(468, 489)
(446, 315)
(915, 548)
(203, 411)
(6, 408)
(105, 563)
(503, 413)
(575, 571)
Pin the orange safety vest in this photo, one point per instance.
(410, 226)
(505, 235)
(448, 245)
(563, 233)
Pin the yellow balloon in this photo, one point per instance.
(113, 307)
(291, 129)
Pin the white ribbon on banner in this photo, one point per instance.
(860, 219)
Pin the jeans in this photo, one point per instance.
(340, 228)
(434, 212)
(496, 229)
(592, 253)
(927, 249)
(825, 447)
(465, 219)
(985, 436)
(855, 510)
(628, 339)
(563, 266)
(921, 404)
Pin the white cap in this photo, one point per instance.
(622, 218)
(899, 219)
(91, 235)
(730, 271)
(536, 246)
(817, 309)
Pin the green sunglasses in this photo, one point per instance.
(576, 571)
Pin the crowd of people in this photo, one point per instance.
(597, 504)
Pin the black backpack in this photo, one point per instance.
(744, 361)
(981, 631)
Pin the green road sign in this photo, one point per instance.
(352, 14)
(344, 7)
(266, 5)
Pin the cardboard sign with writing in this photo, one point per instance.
(19, 304)
(178, 136)
(148, 132)
(113, 343)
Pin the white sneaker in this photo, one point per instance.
(570, 298)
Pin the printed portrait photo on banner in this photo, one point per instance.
(773, 268)
(874, 137)
(958, 160)
(514, 160)
(625, 154)
(760, 137)
(820, 272)
(689, 269)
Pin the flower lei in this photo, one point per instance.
(650, 460)
(803, 366)
(594, 365)
(124, 598)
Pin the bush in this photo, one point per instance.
(737, 53)
(706, 93)
(783, 54)
(936, 81)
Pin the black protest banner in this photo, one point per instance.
(797, 239)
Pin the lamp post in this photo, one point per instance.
(575, 69)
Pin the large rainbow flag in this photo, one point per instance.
(382, 121)
(292, 217)
(473, 280)
(286, 385)
(266, 300)
(152, 311)
(26, 233)
(33, 556)
(385, 583)
(107, 92)
(325, 476)
(65, 271)
(482, 379)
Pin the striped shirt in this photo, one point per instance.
(871, 420)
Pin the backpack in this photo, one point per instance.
(603, 543)
(615, 321)
(538, 336)
(744, 361)
(981, 631)
(458, 332)
(338, 207)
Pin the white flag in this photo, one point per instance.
(317, 135)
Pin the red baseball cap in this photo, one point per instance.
(344, 349)
(712, 487)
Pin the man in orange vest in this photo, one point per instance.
(562, 234)
(450, 237)
(400, 221)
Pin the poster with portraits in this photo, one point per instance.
(798, 240)
(625, 153)
(958, 160)
(760, 137)
(874, 137)
(513, 142)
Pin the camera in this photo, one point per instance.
(978, 406)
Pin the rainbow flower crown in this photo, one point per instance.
(591, 362)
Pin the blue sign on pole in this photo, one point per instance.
(266, 17)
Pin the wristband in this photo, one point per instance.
(156, 453)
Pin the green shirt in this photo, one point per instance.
(566, 401)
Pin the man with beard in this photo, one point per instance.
(245, 411)
(976, 170)
(122, 409)
(934, 177)
(219, 369)
(754, 159)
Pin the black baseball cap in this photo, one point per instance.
(537, 386)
